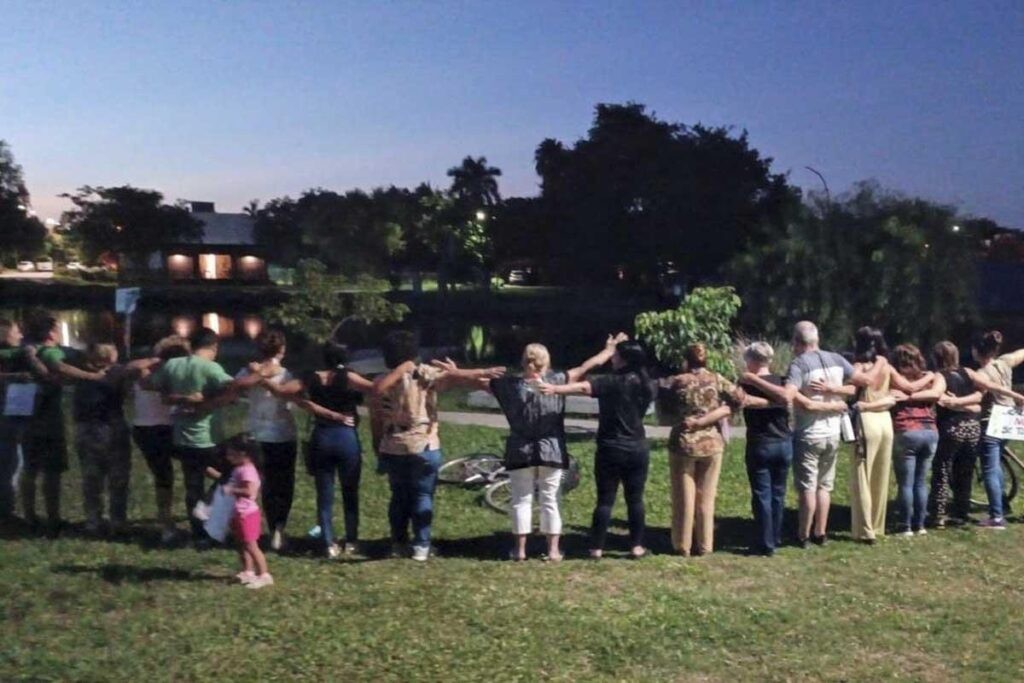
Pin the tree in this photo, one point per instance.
(475, 184)
(873, 257)
(127, 221)
(320, 302)
(22, 235)
(639, 194)
(705, 316)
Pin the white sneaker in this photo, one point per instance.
(277, 540)
(922, 532)
(245, 577)
(421, 553)
(906, 534)
(333, 551)
(201, 511)
(350, 549)
(260, 581)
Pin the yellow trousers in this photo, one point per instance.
(694, 487)
(869, 477)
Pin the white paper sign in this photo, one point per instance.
(126, 298)
(20, 399)
(221, 510)
(1007, 422)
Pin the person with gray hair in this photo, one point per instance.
(769, 450)
(816, 379)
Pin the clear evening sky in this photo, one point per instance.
(233, 101)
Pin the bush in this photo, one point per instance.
(704, 316)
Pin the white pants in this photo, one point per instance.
(522, 483)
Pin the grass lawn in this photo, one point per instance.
(943, 607)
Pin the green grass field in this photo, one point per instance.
(942, 607)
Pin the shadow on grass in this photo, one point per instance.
(118, 574)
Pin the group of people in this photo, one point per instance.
(903, 415)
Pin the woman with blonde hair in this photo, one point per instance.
(535, 453)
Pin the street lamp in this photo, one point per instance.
(956, 228)
(481, 215)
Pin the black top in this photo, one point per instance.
(98, 401)
(767, 423)
(536, 423)
(336, 396)
(958, 384)
(623, 404)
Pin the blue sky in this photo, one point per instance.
(240, 100)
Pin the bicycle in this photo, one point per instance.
(1011, 464)
(488, 470)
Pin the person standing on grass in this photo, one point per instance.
(622, 455)
(696, 448)
(197, 385)
(152, 433)
(872, 458)
(959, 434)
(270, 422)
(535, 452)
(405, 432)
(242, 452)
(102, 438)
(994, 376)
(820, 376)
(917, 437)
(18, 365)
(331, 396)
(45, 443)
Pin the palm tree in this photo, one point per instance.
(252, 208)
(475, 183)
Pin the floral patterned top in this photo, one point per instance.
(697, 394)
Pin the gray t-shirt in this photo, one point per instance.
(806, 368)
(536, 423)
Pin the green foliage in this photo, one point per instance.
(871, 258)
(704, 316)
(320, 301)
(22, 235)
(126, 221)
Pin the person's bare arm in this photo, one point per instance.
(971, 403)
(317, 410)
(932, 393)
(359, 383)
(820, 387)
(598, 359)
(693, 423)
(813, 406)
(985, 384)
(867, 378)
(880, 405)
(784, 394)
(1014, 358)
(248, 489)
(382, 384)
(578, 388)
(757, 403)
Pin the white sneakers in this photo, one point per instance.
(277, 540)
(260, 581)
(333, 551)
(421, 553)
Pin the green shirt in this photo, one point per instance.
(189, 375)
(49, 415)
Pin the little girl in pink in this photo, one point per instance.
(244, 485)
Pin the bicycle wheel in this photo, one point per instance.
(472, 470)
(498, 496)
(1011, 483)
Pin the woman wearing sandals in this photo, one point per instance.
(622, 452)
(535, 453)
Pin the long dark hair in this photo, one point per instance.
(634, 359)
(335, 357)
(988, 344)
(869, 344)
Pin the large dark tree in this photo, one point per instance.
(127, 221)
(21, 234)
(872, 257)
(474, 183)
(639, 193)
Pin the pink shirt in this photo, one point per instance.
(239, 477)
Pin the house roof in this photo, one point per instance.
(226, 228)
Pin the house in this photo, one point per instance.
(227, 252)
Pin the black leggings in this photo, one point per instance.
(611, 466)
(278, 481)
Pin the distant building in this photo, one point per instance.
(226, 253)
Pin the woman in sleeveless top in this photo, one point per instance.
(869, 475)
(959, 434)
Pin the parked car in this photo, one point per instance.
(45, 265)
(74, 265)
(26, 266)
(520, 276)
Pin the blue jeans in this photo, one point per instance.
(413, 479)
(336, 449)
(768, 464)
(912, 460)
(990, 450)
